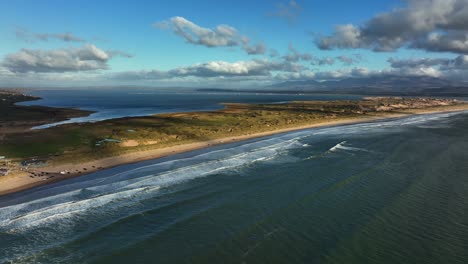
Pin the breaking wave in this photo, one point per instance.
(134, 185)
(342, 146)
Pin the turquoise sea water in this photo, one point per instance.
(384, 192)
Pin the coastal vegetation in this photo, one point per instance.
(86, 141)
(77, 143)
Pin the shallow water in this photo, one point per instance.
(383, 192)
(109, 104)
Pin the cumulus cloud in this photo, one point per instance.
(242, 73)
(432, 25)
(415, 71)
(420, 62)
(255, 49)
(221, 68)
(289, 11)
(29, 36)
(216, 69)
(220, 36)
(119, 53)
(259, 70)
(294, 55)
(455, 69)
(449, 68)
(458, 63)
(344, 73)
(346, 60)
(5, 72)
(85, 58)
(323, 61)
(288, 76)
(345, 36)
(451, 41)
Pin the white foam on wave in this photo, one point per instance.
(386, 125)
(100, 192)
(337, 146)
(342, 146)
(47, 215)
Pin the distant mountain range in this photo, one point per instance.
(380, 85)
(380, 82)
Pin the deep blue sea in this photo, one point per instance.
(109, 103)
(392, 191)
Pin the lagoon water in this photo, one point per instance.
(391, 191)
(109, 103)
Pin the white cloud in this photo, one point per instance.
(323, 61)
(346, 60)
(289, 11)
(432, 25)
(255, 49)
(85, 58)
(458, 63)
(294, 55)
(29, 36)
(218, 69)
(220, 36)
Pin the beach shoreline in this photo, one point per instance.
(19, 182)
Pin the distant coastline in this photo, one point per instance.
(15, 118)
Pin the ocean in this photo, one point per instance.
(393, 191)
(111, 103)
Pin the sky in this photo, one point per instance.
(228, 43)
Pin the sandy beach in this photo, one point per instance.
(21, 181)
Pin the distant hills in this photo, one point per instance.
(376, 85)
(380, 82)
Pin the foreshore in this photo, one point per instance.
(19, 182)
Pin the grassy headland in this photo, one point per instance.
(73, 149)
(15, 118)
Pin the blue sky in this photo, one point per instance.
(130, 32)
